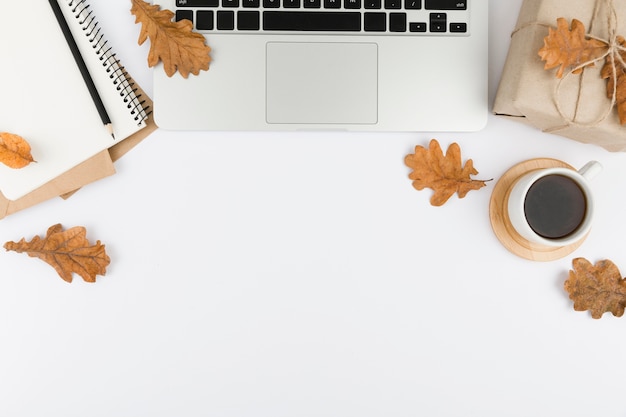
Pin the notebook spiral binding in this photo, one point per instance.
(118, 75)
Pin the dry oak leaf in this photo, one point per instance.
(444, 174)
(14, 151)
(617, 82)
(67, 252)
(598, 288)
(564, 47)
(174, 43)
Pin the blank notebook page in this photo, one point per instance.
(45, 100)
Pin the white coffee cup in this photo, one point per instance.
(553, 206)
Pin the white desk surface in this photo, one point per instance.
(287, 275)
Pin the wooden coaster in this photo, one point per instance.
(501, 223)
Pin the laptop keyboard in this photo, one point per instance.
(410, 17)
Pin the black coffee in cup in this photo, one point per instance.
(555, 206)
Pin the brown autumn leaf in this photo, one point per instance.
(14, 151)
(67, 251)
(619, 81)
(598, 288)
(567, 47)
(174, 43)
(444, 174)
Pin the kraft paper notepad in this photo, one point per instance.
(45, 100)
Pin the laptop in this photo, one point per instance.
(356, 65)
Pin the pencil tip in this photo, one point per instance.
(109, 128)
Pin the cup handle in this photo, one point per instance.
(590, 170)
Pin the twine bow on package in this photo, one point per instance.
(582, 99)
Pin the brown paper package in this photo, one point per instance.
(527, 93)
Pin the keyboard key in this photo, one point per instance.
(372, 4)
(375, 22)
(269, 4)
(312, 4)
(332, 4)
(291, 4)
(204, 20)
(184, 14)
(225, 20)
(446, 4)
(248, 20)
(230, 3)
(250, 3)
(397, 22)
(312, 21)
(197, 3)
(438, 22)
(352, 4)
(413, 4)
(393, 4)
(417, 27)
(458, 27)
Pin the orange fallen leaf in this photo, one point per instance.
(617, 82)
(444, 174)
(14, 151)
(598, 288)
(174, 43)
(67, 252)
(565, 47)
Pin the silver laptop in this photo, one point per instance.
(362, 65)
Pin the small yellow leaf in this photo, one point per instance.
(14, 151)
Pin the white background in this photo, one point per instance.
(284, 274)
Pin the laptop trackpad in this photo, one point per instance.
(334, 83)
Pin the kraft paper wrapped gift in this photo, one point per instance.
(575, 106)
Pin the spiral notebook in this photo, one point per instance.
(44, 98)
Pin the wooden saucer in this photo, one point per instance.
(501, 223)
